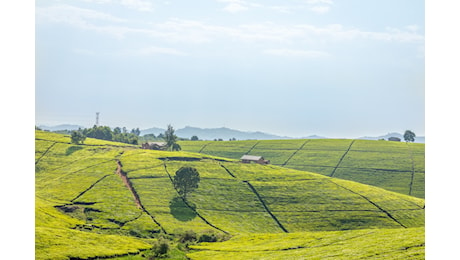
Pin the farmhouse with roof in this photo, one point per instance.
(154, 145)
(254, 158)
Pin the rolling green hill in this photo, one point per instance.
(394, 166)
(107, 199)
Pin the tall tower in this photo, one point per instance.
(97, 118)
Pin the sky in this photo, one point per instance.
(295, 68)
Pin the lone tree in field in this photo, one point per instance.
(77, 137)
(171, 139)
(409, 136)
(186, 181)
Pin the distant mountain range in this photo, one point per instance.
(61, 127)
(226, 133)
(215, 133)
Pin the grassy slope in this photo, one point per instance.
(351, 244)
(62, 174)
(232, 197)
(394, 166)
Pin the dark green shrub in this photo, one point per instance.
(187, 236)
(160, 248)
(208, 238)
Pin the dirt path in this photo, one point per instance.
(130, 187)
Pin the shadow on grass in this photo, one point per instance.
(72, 149)
(181, 211)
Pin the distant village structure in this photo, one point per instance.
(254, 158)
(154, 146)
(395, 139)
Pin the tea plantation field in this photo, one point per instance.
(106, 199)
(395, 166)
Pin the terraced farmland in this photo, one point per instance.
(351, 244)
(394, 166)
(105, 199)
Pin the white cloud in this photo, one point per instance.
(312, 2)
(154, 50)
(236, 6)
(139, 5)
(321, 9)
(197, 32)
(73, 15)
(297, 53)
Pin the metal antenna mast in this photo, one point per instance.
(97, 118)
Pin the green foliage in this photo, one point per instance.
(409, 136)
(160, 248)
(117, 135)
(77, 137)
(186, 180)
(171, 139)
(187, 236)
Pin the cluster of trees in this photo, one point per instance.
(106, 133)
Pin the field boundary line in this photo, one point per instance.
(252, 148)
(45, 152)
(137, 199)
(188, 205)
(341, 159)
(266, 207)
(373, 203)
(90, 187)
(292, 155)
(228, 171)
(204, 146)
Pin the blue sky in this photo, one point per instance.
(296, 68)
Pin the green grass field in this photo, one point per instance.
(395, 166)
(351, 244)
(105, 199)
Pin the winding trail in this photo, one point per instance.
(341, 159)
(130, 187)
